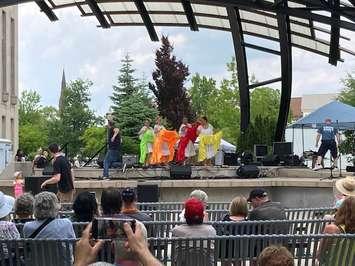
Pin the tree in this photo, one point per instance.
(265, 102)
(169, 77)
(201, 90)
(29, 107)
(131, 103)
(347, 95)
(94, 138)
(76, 116)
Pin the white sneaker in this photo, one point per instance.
(317, 167)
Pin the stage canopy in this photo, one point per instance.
(270, 26)
(342, 115)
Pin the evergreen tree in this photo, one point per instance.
(131, 104)
(169, 77)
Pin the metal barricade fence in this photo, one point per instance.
(214, 251)
(217, 215)
(164, 228)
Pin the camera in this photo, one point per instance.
(110, 227)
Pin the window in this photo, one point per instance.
(3, 127)
(3, 54)
(13, 74)
(12, 121)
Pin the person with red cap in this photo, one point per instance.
(194, 228)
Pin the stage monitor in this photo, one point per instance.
(282, 148)
(260, 150)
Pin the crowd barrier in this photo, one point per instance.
(217, 215)
(164, 228)
(215, 251)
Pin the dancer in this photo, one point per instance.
(146, 135)
(328, 133)
(186, 149)
(209, 143)
(164, 142)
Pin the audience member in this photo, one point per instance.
(129, 207)
(275, 256)
(344, 224)
(24, 208)
(40, 159)
(8, 229)
(194, 227)
(111, 203)
(263, 207)
(200, 195)
(84, 207)
(86, 252)
(238, 210)
(46, 225)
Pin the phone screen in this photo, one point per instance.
(110, 228)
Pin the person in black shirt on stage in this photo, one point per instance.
(62, 175)
(114, 147)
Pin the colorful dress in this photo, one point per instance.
(146, 145)
(18, 188)
(186, 147)
(209, 143)
(163, 147)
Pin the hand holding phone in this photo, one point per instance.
(110, 227)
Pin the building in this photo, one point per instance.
(302, 106)
(9, 74)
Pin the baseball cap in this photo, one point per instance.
(128, 194)
(194, 209)
(257, 192)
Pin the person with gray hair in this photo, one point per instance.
(47, 225)
(200, 195)
(46, 207)
(24, 208)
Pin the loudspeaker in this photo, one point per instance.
(350, 168)
(248, 171)
(130, 160)
(33, 184)
(180, 171)
(293, 160)
(148, 193)
(260, 150)
(231, 159)
(271, 160)
(282, 148)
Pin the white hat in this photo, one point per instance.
(346, 186)
(6, 204)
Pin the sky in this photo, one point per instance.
(86, 51)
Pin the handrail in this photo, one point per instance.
(92, 157)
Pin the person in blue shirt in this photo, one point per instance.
(330, 140)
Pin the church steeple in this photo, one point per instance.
(62, 89)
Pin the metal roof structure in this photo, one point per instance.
(311, 25)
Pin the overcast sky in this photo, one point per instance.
(88, 52)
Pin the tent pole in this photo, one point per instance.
(340, 173)
(302, 140)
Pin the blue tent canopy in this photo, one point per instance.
(342, 115)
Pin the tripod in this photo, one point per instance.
(331, 177)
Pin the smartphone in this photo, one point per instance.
(110, 227)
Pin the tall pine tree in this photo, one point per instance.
(131, 104)
(169, 77)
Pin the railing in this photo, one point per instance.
(277, 227)
(190, 251)
(217, 215)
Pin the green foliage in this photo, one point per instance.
(130, 145)
(264, 102)
(347, 95)
(31, 138)
(75, 117)
(131, 103)
(201, 90)
(94, 138)
(29, 107)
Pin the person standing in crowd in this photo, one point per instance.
(146, 136)
(129, 206)
(62, 175)
(114, 148)
(24, 208)
(18, 184)
(194, 227)
(263, 207)
(208, 143)
(328, 134)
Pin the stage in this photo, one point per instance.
(294, 187)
